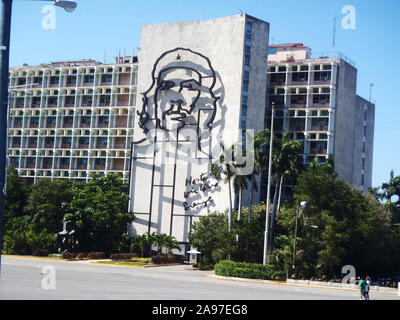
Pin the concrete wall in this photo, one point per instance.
(364, 116)
(343, 149)
(257, 95)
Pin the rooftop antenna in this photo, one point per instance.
(371, 85)
(105, 57)
(334, 37)
(240, 12)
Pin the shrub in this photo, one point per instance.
(168, 258)
(245, 270)
(96, 255)
(41, 253)
(159, 259)
(81, 255)
(68, 255)
(179, 258)
(141, 260)
(123, 256)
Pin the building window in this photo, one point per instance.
(249, 29)
(246, 76)
(299, 76)
(244, 99)
(247, 50)
(244, 111)
(322, 76)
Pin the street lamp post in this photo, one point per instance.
(5, 28)
(313, 227)
(265, 253)
(301, 206)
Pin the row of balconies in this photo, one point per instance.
(81, 176)
(301, 78)
(67, 122)
(68, 143)
(69, 164)
(300, 124)
(79, 80)
(121, 100)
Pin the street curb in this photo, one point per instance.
(135, 266)
(284, 283)
(33, 257)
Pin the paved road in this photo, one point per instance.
(21, 279)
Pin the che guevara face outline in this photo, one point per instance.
(182, 108)
(176, 98)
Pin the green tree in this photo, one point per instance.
(391, 191)
(46, 204)
(351, 228)
(211, 236)
(16, 197)
(98, 211)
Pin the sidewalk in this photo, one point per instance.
(310, 284)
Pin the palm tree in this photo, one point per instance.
(391, 188)
(140, 241)
(374, 192)
(224, 170)
(285, 160)
(152, 239)
(171, 243)
(261, 142)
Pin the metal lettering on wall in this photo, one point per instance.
(196, 186)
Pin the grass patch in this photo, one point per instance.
(126, 263)
(132, 262)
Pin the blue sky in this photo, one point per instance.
(99, 26)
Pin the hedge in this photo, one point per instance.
(227, 268)
(123, 256)
(40, 253)
(167, 258)
(96, 255)
(68, 255)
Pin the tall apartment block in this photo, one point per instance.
(72, 119)
(316, 101)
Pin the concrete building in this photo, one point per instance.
(72, 119)
(202, 82)
(316, 101)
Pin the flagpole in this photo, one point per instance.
(265, 253)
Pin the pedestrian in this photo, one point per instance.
(362, 284)
(367, 287)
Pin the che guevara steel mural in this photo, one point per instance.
(184, 98)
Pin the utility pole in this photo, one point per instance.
(5, 20)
